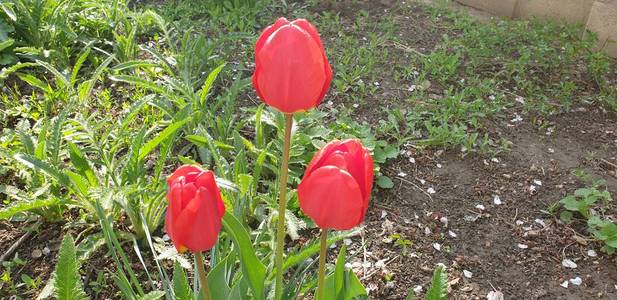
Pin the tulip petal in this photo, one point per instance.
(208, 181)
(332, 198)
(308, 27)
(188, 171)
(290, 70)
(324, 152)
(268, 31)
(198, 225)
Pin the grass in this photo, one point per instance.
(97, 107)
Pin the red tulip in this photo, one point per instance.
(195, 210)
(292, 73)
(336, 186)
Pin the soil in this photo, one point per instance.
(516, 247)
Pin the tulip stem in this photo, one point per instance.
(203, 280)
(323, 252)
(280, 228)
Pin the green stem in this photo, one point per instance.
(280, 228)
(323, 252)
(203, 280)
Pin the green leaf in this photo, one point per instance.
(67, 279)
(182, 290)
(343, 284)
(37, 164)
(167, 132)
(384, 182)
(6, 44)
(154, 295)
(252, 268)
(217, 277)
(439, 285)
(307, 251)
(25, 206)
(79, 161)
(208, 84)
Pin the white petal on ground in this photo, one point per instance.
(444, 220)
(412, 160)
(467, 274)
(522, 246)
(417, 289)
(496, 200)
(494, 295)
(402, 174)
(384, 214)
(541, 222)
(347, 242)
(568, 263)
(437, 246)
(452, 234)
(519, 222)
(537, 182)
(576, 281)
(480, 207)
(565, 284)
(592, 253)
(431, 190)
(439, 166)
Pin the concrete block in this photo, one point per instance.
(503, 8)
(573, 11)
(603, 20)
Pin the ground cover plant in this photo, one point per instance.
(493, 145)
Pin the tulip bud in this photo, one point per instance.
(336, 186)
(292, 73)
(195, 209)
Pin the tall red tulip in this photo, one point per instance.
(336, 186)
(195, 210)
(292, 73)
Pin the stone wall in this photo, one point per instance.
(599, 16)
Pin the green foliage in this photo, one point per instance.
(67, 281)
(590, 203)
(343, 284)
(439, 285)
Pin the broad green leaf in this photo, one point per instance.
(384, 182)
(343, 284)
(182, 290)
(217, 278)
(67, 279)
(167, 132)
(79, 161)
(252, 268)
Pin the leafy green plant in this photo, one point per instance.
(438, 289)
(590, 203)
(67, 281)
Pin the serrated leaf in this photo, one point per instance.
(67, 279)
(439, 285)
(182, 290)
(167, 132)
(208, 84)
(37, 164)
(25, 206)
